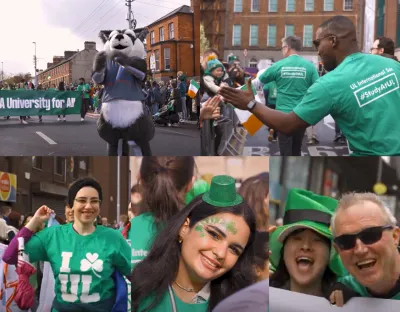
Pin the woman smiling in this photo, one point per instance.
(202, 256)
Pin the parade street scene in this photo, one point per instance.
(108, 78)
(291, 79)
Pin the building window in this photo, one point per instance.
(273, 6)
(167, 59)
(60, 168)
(238, 6)
(380, 18)
(348, 5)
(253, 35)
(328, 5)
(289, 30)
(255, 5)
(271, 40)
(152, 37)
(161, 33)
(290, 5)
(37, 162)
(308, 36)
(157, 57)
(253, 63)
(309, 5)
(237, 35)
(171, 30)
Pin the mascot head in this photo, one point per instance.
(126, 41)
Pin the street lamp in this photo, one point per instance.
(35, 60)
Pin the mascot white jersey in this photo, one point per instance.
(121, 68)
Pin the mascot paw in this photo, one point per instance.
(100, 60)
(138, 63)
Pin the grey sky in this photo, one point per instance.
(62, 25)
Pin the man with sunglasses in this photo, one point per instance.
(361, 92)
(384, 46)
(367, 238)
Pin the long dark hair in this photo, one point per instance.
(158, 270)
(261, 250)
(254, 190)
(281, 276)
(163, 178)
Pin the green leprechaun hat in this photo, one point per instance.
(306, 210)
(222, 192)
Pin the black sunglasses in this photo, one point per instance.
(368, 236)
(317, 42)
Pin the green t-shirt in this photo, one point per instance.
(293, 76)
(82, 265)
(352, 283)
(142, 233)
(165, 305)
(272, 92)
(362, 94)
(84, 87)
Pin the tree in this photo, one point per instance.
(204, 43)
(18, 78)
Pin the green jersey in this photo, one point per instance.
(362, 94)
(352, 283)
(85, 87)
(293, 76)
(82, 265)
(165, 305)
(142, 234)
(272, 92)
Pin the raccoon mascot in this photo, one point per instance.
(121, 68)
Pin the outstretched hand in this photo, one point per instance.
(210, 109)
(238, 98)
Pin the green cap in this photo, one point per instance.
(306, 210)
(199, 187)
(222, 192)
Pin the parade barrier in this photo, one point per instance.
(288, 301)
(39, 103)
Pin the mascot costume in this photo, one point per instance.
(121, 68)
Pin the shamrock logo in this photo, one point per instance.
(92, 262)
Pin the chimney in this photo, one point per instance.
(49, 65)
(68, 54)
(90, 45)
(57, 59)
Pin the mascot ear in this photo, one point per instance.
(143, 34)
(104, 34)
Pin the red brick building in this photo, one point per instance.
(171, 45)
(70, 67)
(258, 26)
(387, 21)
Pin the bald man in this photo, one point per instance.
(361, 92)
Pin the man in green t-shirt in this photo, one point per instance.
(366, 237)
(84, 87)
(361, 92)
(293, 76)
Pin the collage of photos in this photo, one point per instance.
(200, 156)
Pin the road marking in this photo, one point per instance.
(46, 138)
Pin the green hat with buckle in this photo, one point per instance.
(222, 192)
(306, 210)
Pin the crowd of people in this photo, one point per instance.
(184, 245)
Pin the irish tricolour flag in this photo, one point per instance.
(193, 89)
(250, 122)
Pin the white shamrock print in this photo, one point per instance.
(92, 262)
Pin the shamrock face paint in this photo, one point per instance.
(229, 226)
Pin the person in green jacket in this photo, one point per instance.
(203, 255)
(84, 87)
(164, 181)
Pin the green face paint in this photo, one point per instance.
(229, 226)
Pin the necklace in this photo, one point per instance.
(183, 288)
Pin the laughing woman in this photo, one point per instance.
(204, 254)
(302, 251)
(83, 257)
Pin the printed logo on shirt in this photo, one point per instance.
(379, 85)
(293, 72)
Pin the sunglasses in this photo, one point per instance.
(317, 42)
(368, 236)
